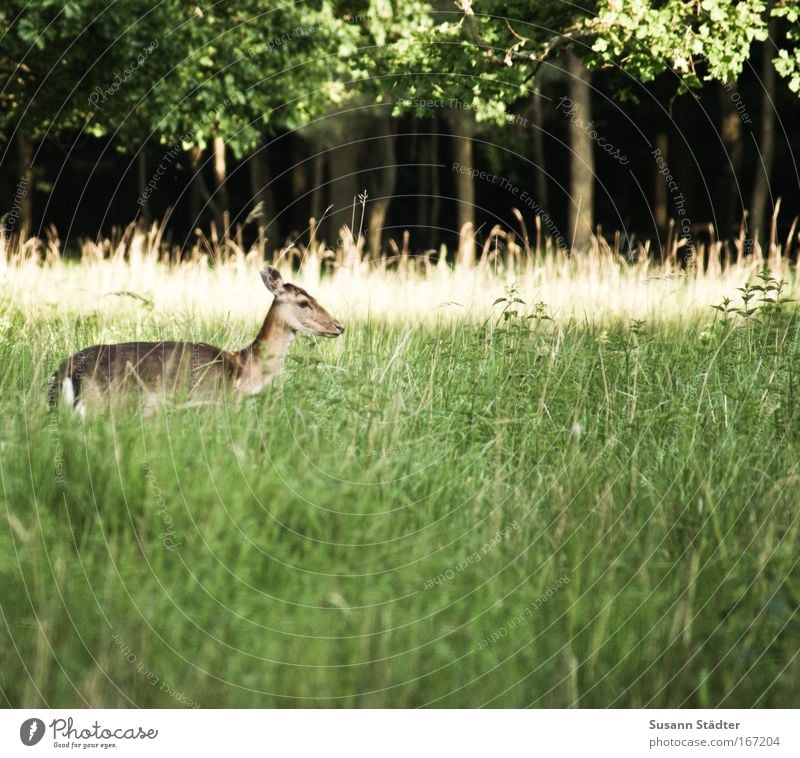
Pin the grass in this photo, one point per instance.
(447, 507)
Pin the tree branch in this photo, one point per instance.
(553, 47)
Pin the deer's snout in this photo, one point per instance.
(331, 329)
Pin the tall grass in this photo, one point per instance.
(591, 502)
(216, 275)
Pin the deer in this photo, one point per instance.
(161, 369)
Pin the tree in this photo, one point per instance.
(63, 63)
(503, 73)
(761, 182)
(727, 210)
(90, 67)
(435, 84)
(462, 128)
(389, 31)
(696, 41)
(581, 185)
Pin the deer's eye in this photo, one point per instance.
(304, 304)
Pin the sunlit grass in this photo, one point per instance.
(221, 283)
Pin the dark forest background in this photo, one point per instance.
(81, 164)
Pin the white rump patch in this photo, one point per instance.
(68, 391)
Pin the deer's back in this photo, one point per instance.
(151, 367)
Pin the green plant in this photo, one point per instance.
(763, 298)
(510, 302)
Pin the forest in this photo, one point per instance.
(265, 117)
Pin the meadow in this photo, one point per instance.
(546, 482)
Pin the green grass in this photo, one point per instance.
(530, 514)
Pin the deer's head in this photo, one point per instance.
(300, 311)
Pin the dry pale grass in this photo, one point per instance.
(218, 278)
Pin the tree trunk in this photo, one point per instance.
(424, 161)
(436, 189)
(295, 214)
(199, 195)
(23, 196)
(142, 179)
(761, 184)
(317, 194)
(263, 196)
(222, 204)
(461, 128)
(581, 174)
(196, 199)
(683, 165)
(343, 187)
(726, 208)
(383, 193)
(429, 194)
(540, 177)
(298, 174)
(660, 194)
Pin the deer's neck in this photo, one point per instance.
(263, 358)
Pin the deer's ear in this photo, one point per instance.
(273, 281)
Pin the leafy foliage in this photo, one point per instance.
(709, 40)
(177, 71)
